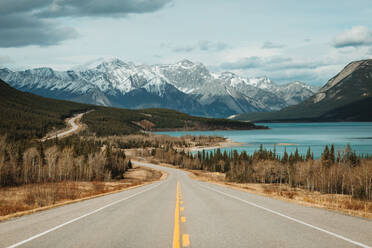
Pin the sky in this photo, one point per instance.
(287, 40)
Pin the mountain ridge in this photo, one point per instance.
(341, 98)
(184, 86)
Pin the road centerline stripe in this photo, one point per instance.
(176, 231)
(288, 217)
(80, 217)
(185, 240)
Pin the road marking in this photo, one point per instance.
(183, 219)
(81, 217)
(176, 231)
(185, 240)
(182, 208)
(290, 218)
(181, 202)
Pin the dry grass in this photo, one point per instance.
(25, 199)
(341, 203)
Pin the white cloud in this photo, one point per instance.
(354, 37)
(272, 45)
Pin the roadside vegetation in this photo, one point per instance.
(41, 174)
(345, 173)
(341, 181)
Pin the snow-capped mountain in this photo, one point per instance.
(185, 86)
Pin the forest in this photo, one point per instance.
(333, 173)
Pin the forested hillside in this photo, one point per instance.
(27, 116)
(110, 121)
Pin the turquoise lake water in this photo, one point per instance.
(300, 135)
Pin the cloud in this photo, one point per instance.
(4, 60)
(203, 45)
(206, 45)
(184, 49)
(22, 30)
(25, 22)
(63, 8)
(255, 62)
(243, 63)
(354, 37)
(271, 45)
(281, 69)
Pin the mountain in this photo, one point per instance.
(346, 96)
(25, 116)
(184, 86)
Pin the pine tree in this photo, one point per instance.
(308, 154)
(296, 157)
(42, 154)
(285, 156)
(325, 157)
(332, 154)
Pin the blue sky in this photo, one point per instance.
(285, 40)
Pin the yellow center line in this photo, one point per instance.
(182, 209)
(183, 219)
(176, 232)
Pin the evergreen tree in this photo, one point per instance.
(42, 154)
(285, 156)
(332, 154)
(325, 157)
(130, 166)
(308, 154)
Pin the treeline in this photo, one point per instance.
(113, 121)
(148, 140)
(333, 173)
(71, 159)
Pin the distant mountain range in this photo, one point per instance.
(345, 97)
(184, 86)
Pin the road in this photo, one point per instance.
(182, 212)
(73, 127)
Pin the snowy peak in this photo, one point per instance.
(185, 63)
(184, 85)
(108, 63)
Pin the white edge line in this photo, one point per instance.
(80, 217)
(290, 218)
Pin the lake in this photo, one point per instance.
(298, 135)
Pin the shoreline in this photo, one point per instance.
(224, 144)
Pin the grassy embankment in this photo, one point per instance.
(30, 198)
(337, 202)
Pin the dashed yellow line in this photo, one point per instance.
(176, 231)
(177, 218)
(182, 209)
(185, 240)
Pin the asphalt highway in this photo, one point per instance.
(182, 212)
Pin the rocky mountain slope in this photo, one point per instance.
(341, 98)
(184, 86)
